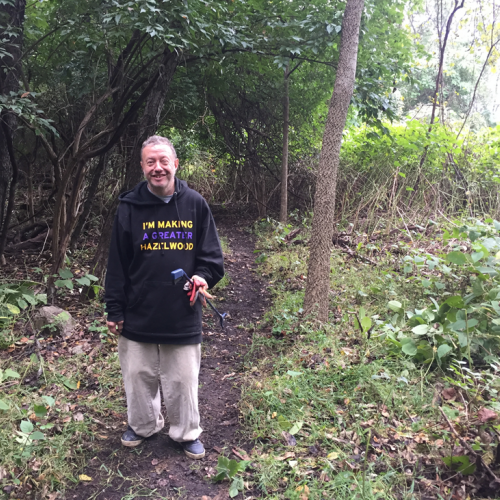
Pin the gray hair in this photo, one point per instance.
(158, 139)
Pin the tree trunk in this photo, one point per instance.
(284, 163)
(435, 97)
(12, 191)
(148, 126)
(11, 16)
(318, 275)
(82, 219)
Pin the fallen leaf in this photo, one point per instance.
(290, 440)
(449, 393)
(241, 454)
(486, 415)
(333, 455)
(83, 477)
(78, 416)
(288, 454)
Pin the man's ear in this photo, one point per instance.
(176, 163)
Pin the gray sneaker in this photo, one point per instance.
(193, 449)
(131, 439)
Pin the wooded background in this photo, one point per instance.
(242, 88)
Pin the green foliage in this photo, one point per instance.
(464, 288)
(67, 280)
(229, 469)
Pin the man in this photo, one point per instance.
(161, 225)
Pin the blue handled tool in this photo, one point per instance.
(178, 274)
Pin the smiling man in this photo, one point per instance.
(160, 225)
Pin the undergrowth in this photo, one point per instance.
(344, 410)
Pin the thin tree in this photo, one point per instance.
(284, 163)
(318, 275)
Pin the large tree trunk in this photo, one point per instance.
(284, 162)
(13, 17)
(148, 126)
(318, 275)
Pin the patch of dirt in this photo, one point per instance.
(159, 464)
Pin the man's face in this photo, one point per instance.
(159, 166)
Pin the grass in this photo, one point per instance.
(363, 416)
(67, 406)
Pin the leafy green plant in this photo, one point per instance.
(464, 288)
(229, 469)
(67, 280)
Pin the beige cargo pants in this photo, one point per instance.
(177, 367)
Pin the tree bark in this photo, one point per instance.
(318, 275)
(284, 162)
(435, 97)
(89, 199)
(148, 126)
(12, 191)
(13, 17)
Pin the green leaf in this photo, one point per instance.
(65, 274)
(366, 323)
(26, 427)
(460, 464)
(4, 405)
(296, 428)
(409, 348)
(420, 329)
(456, 301)
(49, 400)
(395, 306)
(91, 277)
(40, 411)
(12, 308)
(443, 350)
(83, 281)
(293, 374)
(37, 435)
(11, 373)
(29, 298)
(69, 383)
(66, 283)
(457, 258)
(236, 486)
(233, 468)
(487, 270)
(477, 256)
(22, 303)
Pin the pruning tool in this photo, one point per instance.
(178, 274)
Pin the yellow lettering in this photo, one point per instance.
(143, 225)
(189, 246)
(180, 246)
(149, 246)
(144, 247)
(173, 246)
(183, 223)
(161, 224)
(151, 225)
(168, 224)
(190, 224)
(155, 246)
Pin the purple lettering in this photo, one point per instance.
(172, 234)
(190, 236)
(146, 237)
(154, 235)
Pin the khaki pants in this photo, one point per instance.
(177, 367)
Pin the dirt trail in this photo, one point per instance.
(158, 464)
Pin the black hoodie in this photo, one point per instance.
(150, 239)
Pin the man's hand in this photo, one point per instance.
(198, 290)
(115, 327)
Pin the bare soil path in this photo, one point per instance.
(158, 469)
